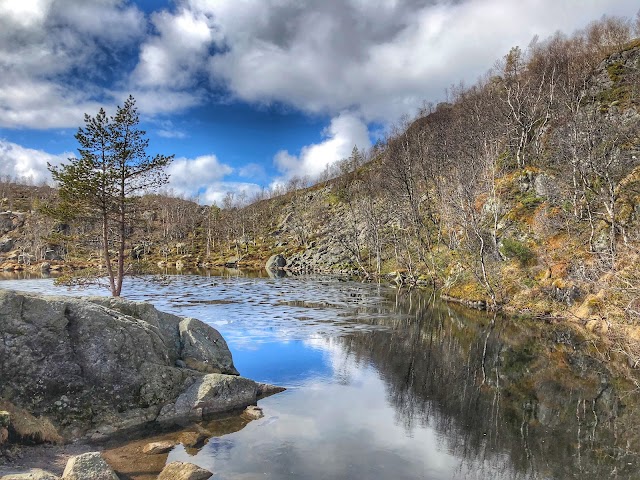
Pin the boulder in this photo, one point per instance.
(213, 393)
(9, 221)
(33, 474)
(276, 262)
(266, 390)
(100, 364)
(184, 471)
(193, 439)
(6, 244)
(547, 186)
(158, 448)
(88, 466)
(204, 349)
(253, 412)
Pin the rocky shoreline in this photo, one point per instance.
(87, 369)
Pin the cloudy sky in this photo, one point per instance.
(246, 93)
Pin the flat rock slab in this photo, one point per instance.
(184, 471)
(88, 466)
(34, 474)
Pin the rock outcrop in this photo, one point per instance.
(98, 365)
(275, 263)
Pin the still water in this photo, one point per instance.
(386, 383)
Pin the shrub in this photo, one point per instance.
(514, 249)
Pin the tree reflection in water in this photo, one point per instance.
(501, 390)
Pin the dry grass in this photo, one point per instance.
(27, 429)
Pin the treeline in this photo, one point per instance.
(545, 144)
(457, 186)
(521, 189)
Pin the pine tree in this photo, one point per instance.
(111, 170)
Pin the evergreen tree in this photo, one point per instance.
(111, 170)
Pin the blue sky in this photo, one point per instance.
(249, 93)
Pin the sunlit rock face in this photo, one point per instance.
(102, 364)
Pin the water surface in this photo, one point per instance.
(388, 384)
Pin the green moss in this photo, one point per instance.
(619, 95)
(616, 71)
(512, 248)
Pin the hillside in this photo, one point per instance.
(522, 193)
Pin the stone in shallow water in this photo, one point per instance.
(253, 412)
(184, 471)
(192, 439)
(157, 448)
(214, 393)
(88, 466)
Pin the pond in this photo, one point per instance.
(387, 383)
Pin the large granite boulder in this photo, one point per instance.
(10, 221)
(98, 365)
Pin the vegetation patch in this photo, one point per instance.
(512, 248)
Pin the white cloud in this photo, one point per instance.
(25, 13)
(190, 177)
(26, 164)
(344, 132)
(252, 170)
(216, 192)
(177, 54)
(171, 134)
(378, 58)
(54, 55)
(110, 20)
(202, 178)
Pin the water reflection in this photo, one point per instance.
(388, 384)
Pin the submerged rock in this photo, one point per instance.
(253, 412)
(88, 466)
(99, 365)
(193, 439)
(158, 448)
(184, 471)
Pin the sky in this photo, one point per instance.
(248, 94)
